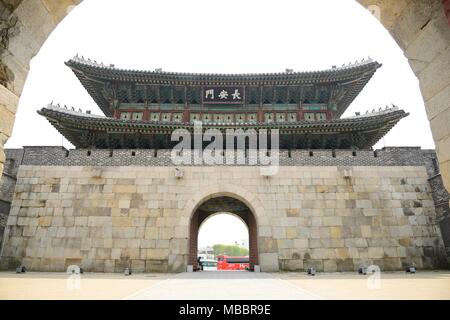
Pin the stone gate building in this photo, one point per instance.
(118, 201)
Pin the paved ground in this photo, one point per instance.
(224, 285)
(45, 285)
(392, 285)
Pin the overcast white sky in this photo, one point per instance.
(219, 36)
(222, 228)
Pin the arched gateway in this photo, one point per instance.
(333, 228)
(241, 202)
(228, 204)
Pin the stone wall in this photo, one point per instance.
(24, 27)
(7, 185)
(440, 197)
(422, 30)
(106, 218)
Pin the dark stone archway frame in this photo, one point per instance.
(225, 204)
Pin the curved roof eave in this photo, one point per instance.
(70, 124)
(163, 77)
(92, 75)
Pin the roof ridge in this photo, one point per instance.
(93, 63)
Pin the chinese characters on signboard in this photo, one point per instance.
(225, 95)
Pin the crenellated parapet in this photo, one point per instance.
(60, 156)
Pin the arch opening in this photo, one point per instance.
(223, 205)
(221, 235)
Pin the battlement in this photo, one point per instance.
(390, 156)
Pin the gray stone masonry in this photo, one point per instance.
(7, 185)
(335, 210)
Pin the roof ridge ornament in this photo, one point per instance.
(91, 62)
(357, 63)
(374, 112)
(70, 110)
(94, 63)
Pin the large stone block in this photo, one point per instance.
(389, 10)
(292, 264)
(7, 122)
(99, 221)
(432, 79)
(8, 99)
(438, 103)
(269, 262)
(122, 221)
(430, 41)
(157, 254)
(412, 20)
(177, 263)
(138, 265)
(376, 253)
(124, 189)
(154, 265)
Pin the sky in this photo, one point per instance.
(222, 229)
(219, 37)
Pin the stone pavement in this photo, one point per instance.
(224, 285)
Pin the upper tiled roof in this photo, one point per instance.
(96, 78)
(345, 72)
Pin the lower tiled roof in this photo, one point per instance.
(75, 126)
